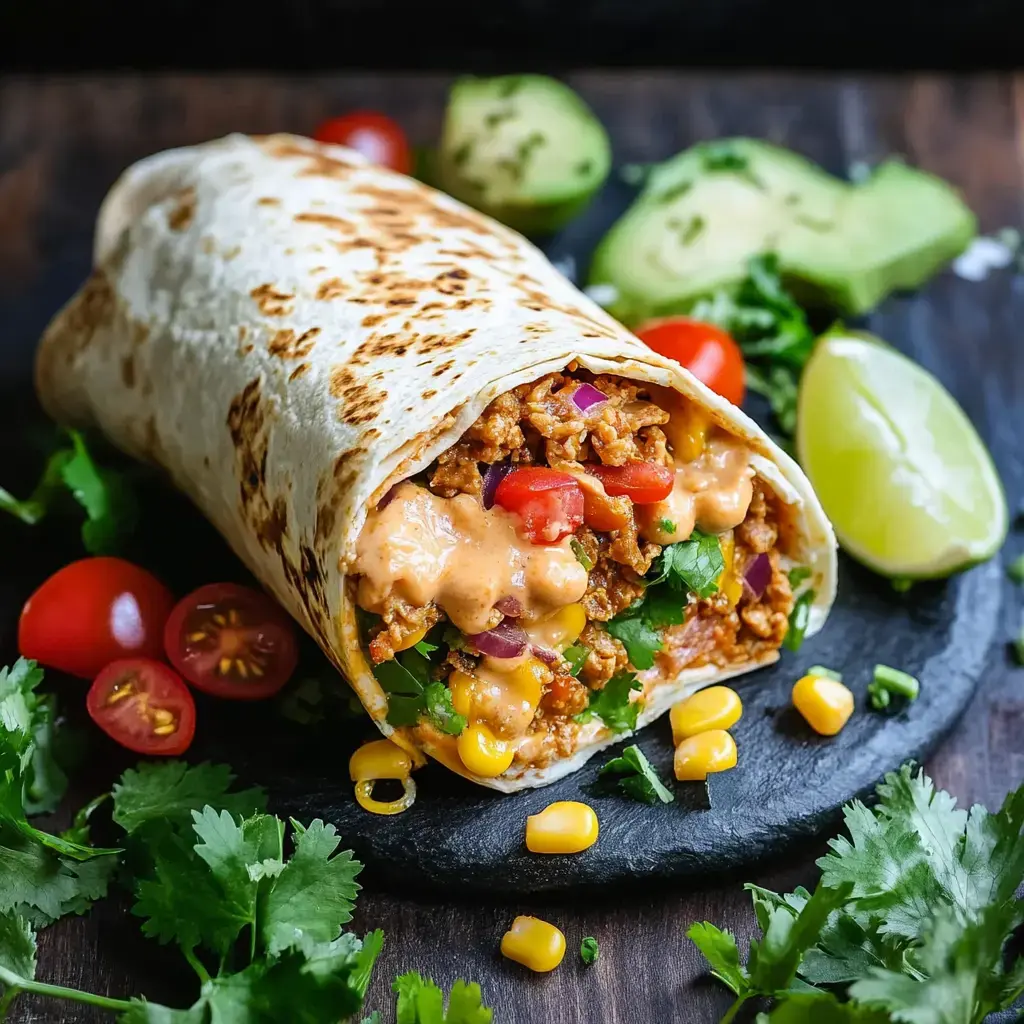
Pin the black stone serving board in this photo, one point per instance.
(788, 785)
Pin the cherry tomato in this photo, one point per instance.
(374, 135)
(641, 482)
(708, 352)
(92, 612)
(550, 503)
(231, 641)
(144, 706)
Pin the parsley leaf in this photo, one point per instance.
(575, 656)
(638, 778)
(589, 950)
(641, 640)
(799, 620)
(420, 1001)
(612, 703)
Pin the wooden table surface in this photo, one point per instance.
(63, 140)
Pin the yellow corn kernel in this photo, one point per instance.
(482, 752)
(364, 797)
(462, 685)
(825, 703)
(688, 432)
(379, 759)
(528, 680)
(728, 583)
(411, 640)
(717, 707)
(533, 943)
(565, 826)
(698, 756)
(563, 628)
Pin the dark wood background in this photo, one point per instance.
(63, 140)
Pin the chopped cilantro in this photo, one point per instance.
(1015, 570)
(440, 710)
(420, 1001)
(692, 565)
(637, 635)
(637, 777)
(589, 950)
(888, 681)
(581, 556)
(799, 619)
(412, 693)
(575, 655)
(612, 704)
(797, 575)
(666, 526)
(424, 648)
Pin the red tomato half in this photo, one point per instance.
(231, 641)
(550, 503)
(144, 706)
(641, 482)
(708, 352)
(92, 612)
(374, 135)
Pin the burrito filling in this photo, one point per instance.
(585, 540)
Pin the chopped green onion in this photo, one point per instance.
(820, 672)
(799, 619)
(581, 556)
(901, 584)
(589, 951)
(575, 656)
(888, 681)
(798, 575)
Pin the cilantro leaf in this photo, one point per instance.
(420, 1001)
(612, 703)
(718, 947)
(639, 779)
(437, 699)
(692, 565)
(589, 950)
(412, 694)
(314, 894)
(17, 957)
(821, 1008)
(575, 656)
(169, 791)
(641, 640)
(799, 620)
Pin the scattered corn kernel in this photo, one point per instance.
(717, 707)
(563, 628)
(482, 752)
(565, 826)
(461, 684)
(728, 583)
(364, 797)
(534, 944)
(698, 756)
(826, 703)
(411, 640)
(379, 759)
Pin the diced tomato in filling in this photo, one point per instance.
(550, 503)
(641, 482)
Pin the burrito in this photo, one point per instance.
(517, 532)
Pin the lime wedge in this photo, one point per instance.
(909, 486)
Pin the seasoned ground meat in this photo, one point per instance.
(400, 620)
(755, 532)
(607, 656)
(565, 695)
(611, 587)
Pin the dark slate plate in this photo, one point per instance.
(789, 784)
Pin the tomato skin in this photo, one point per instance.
(641, 482)
(374, 135)
(92, 612)
(131, 720)
(708, 352)
(253, 631)
(550, 503)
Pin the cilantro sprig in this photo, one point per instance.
(420, 1001)
(910, 920)
(413, 694)
(636, 777)
(613, 703)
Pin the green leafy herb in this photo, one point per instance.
(799, 619)
(420, 1001)
(424, 648)
(666, 526)
(581, 556)
(589, 950)
(692, 565)
(575, 655)
(640, 638)
(1015, 570)
(440, 710)
(637, 777)
(888, 681)
(413, 695)
(612, 703)
(1018, 646)
(797, 575)
(912, 916)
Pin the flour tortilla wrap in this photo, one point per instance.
(288, 330)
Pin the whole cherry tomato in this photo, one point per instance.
(374, 135)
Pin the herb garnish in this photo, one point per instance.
(799, 619)
(420, 1001)
(888, 681)
(581, 555)
(909, 921)
(612, 703)
(1015, 570)
(637, 777)
(589, 950)
(666, 526)
(412, 693)
(575, 656)
(797, 575)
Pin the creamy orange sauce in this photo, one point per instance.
(712, 492)
(463, 558)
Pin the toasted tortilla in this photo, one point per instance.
(287, 330)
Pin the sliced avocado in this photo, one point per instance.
(705, 212)
(524, 149)
(891, 233)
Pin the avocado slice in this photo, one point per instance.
(705, 212)
(524, 149)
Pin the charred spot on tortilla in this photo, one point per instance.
(246, 423)
(268, 201)
(377, 345)
(330, 289)
(273, 528)
(179, 218)
(428, 394)
(285, 344)
(272, 302)
(328, 221)
(358, 401)
(298, 371)
(317, 163)
(443, 368)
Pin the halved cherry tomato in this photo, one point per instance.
(641, 482)
(144, 706)
(708, 352)
(231, 641)
(92, 612)
(374, 135)
(549, 502)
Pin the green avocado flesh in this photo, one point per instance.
(705, 212)
(524, 149)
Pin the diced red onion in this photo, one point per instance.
(758, 574)
(548, 656)
(587, 395)
(506, 640)
(510, 606)
(494, 475)
(388, 497)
